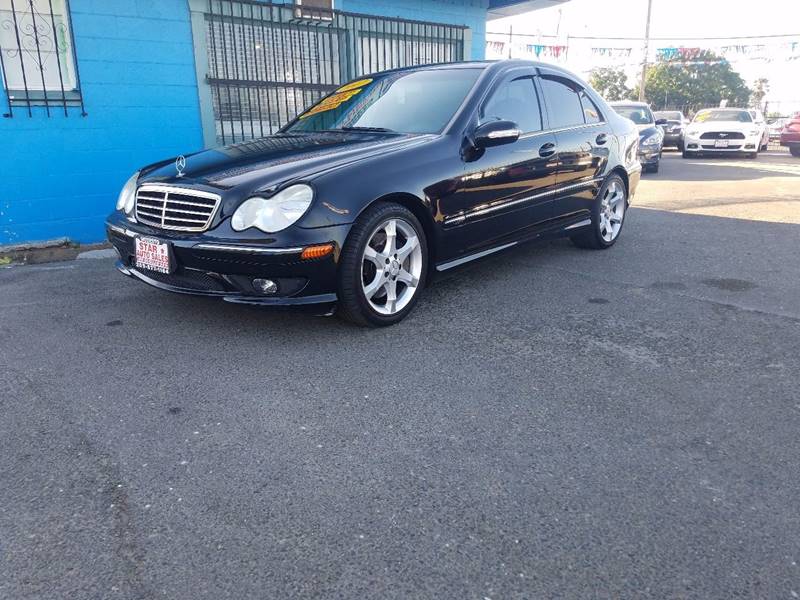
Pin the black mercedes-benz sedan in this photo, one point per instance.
(360, 199)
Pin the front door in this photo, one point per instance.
(506, 189)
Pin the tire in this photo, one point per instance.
(794, 150)
(751, 155)
(685, 154)
(654, 168)
(359, 268)
(595, 237)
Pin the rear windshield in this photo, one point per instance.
(669, 115)
(402, 102)
(706, 116)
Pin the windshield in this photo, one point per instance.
(669, 115)
(404, 102)
(640, 115)
(706, 116)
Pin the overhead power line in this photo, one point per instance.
(660, 39)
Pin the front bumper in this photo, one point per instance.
(790, 139)
(218, 264)
(696, 144)
(649, 155)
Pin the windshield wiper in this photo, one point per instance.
(369, 129)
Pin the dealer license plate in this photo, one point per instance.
(153, 255)
(721, 144)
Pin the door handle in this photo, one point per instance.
(601, 139)
(547, 149)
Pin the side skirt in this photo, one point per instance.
(540, 235)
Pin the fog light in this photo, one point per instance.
(265, 286)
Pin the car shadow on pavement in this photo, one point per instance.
(708, 168)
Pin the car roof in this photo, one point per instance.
(495, 65)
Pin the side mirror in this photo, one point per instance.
(661, 121)
(495, 133)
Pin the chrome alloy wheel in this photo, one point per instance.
(391, 266)
(612, 211)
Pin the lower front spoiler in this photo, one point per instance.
(323, 304)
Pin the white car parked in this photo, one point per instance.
(723, 130)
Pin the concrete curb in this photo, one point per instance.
(57, 250)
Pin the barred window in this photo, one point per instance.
(37, 57)
(314, 9)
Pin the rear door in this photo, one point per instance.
(509, 188)
(584, 140)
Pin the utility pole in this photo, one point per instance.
(646, 50)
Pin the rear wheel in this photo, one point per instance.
(608, 214)
(383, 266)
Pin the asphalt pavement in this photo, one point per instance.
(549, 423)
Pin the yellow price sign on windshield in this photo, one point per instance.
(343, 94)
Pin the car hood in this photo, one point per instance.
(267, 162)
(646, 131)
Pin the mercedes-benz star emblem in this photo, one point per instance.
(180, 164)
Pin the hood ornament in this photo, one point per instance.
(180, 165)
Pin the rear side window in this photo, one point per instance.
(515, 101)
(591, 114)
(563, 103)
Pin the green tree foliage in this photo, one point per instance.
(610, 83)
(693, 85)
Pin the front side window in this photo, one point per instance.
(563, 103)
(36, 52)
(403, 102)
(515, 101)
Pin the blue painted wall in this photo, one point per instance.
(471, 13)
(60, 176)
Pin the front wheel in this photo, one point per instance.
(383, 266)
(795, 150)
(608, 214)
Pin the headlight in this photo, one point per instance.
(127, 197)
(651, 140)
(755, 132)
(273, 214)
(692, 132)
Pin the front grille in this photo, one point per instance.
(728, 147)
(722, 135)
(178, 209)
